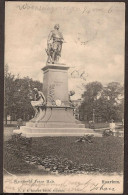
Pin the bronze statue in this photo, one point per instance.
(71, 93)
(39, 100)
(54, 45)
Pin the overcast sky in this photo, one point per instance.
(93, 32)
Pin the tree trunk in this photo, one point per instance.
(6, 119)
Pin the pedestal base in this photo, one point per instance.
(55, 117)
(54, 132)
(54, 121)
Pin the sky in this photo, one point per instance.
(93, 33)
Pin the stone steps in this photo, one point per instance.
(55, 132)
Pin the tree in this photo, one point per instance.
(92, 92)
(17, 95)
(111, 101)
(23, 91)
(9, 91)
(107, 101)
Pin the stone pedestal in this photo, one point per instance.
(57, 113)
(55, 84)
(57, 118)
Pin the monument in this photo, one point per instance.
(54, 114)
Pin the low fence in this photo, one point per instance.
(9, 122)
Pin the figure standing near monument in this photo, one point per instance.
(39, 100)
(54, 45)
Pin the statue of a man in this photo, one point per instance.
(54, 45)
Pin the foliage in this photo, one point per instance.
(9, 91)
(17, 95)
(105, 102)
(90, 96)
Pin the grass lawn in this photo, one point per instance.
(63, 154)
